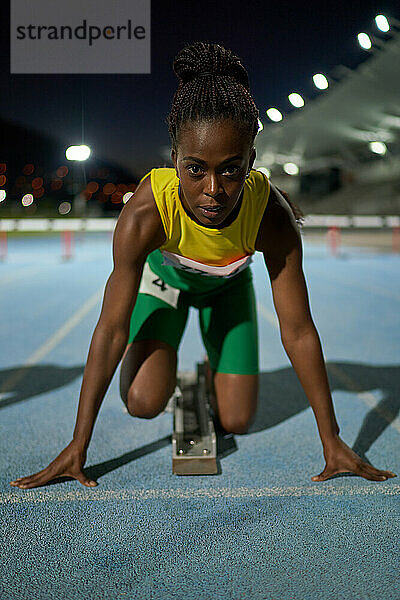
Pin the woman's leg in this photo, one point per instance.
(147, 377)
(230, 334)
(236, 397)
(148, 367)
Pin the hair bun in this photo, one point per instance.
(203, 59)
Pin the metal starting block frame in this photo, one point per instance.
(194, 442)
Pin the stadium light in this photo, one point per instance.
(378, 147)
(320, 81)
(80, 153)
(274, 114)
(296, 100)
(364, 40)
(382, 23)
(370, 42)
(290, 168)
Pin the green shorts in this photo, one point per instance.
(227, 319)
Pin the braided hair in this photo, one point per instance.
(213, 85)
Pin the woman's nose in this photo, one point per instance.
(213, 186)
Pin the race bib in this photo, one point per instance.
(153, 285)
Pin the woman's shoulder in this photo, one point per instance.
(278, 221)
(163, 178)
(258, 184)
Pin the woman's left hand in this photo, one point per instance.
(340, 458)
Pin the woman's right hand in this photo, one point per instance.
(69, 463)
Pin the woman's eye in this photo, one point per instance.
(197, 170)
(234, 168)
(194, 167)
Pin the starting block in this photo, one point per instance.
(194, 443)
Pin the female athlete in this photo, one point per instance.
(186, 238)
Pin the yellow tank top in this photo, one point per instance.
(195, 248)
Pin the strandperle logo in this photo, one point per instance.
(80, 36)
(82, 32)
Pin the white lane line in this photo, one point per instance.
(268, 315)
(10, 382)
(99, 495)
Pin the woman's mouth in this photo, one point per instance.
(211, 212)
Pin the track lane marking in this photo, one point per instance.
(7, 387)
(268, 315)
(99, 495)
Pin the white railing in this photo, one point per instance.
(66, 227)
(108, 224)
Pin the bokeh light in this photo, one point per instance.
(274, 114)
(3, 180)
(80, 153)
(28, 169)
(291, 168)
(364, 41)
(320, 81)
(126, 197)
(64, 208)
(62, 171)
(116, 198)
(3, 168)
(56, 184)
(109, 189)
(92, 187)
(37, 183)
(296, 100)
(27, 200)
(382, 23)
(378, 147)
(3, 195)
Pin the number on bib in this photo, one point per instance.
(160, 284)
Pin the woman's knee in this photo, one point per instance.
(144, 405)
(235, 423)
(148, 377)
(237, 398)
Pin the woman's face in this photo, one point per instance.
(212, 161)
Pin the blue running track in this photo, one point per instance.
(260, 529)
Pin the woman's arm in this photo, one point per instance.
(280, 241)
(138, 232)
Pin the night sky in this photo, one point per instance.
(281, 44)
